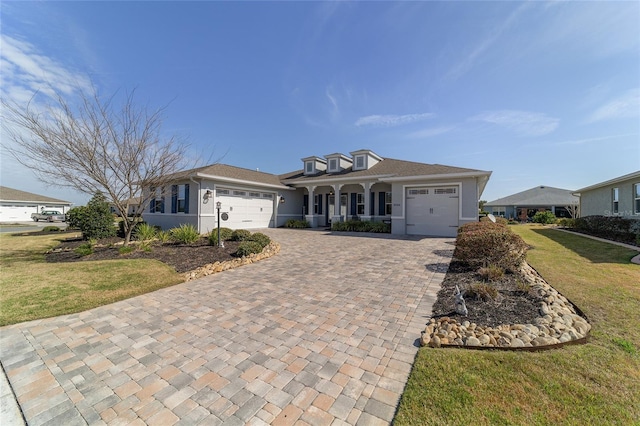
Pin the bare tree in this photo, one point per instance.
(574, 210)
(96, 147)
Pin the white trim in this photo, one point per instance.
(328, 182)
(241, 181)
(434, 177)
(630, 176)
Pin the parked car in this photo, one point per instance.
(49, 216)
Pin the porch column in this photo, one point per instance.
(337, 217)
(367, 201)
(312, 218)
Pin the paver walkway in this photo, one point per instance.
(323, 333)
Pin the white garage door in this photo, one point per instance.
(246, 209)
(432, 211)
(10, 213)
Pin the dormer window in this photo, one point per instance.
(333, 165)
(309, 167)
(364, 159)
(313, 165)
(360, 162)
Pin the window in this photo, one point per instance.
(220, 191)
(387, 203)
(360, 161)
(265, 195)
(317, 204)
(636, 198)
(181, 198)
(157, 203)
(418, 191)
(615, 200)
(359, 204)
(309, 166)
(441, 191)
(254, 194)
(333, 165)
(499, 211)
(239, 193)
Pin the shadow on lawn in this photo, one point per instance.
(595, 251)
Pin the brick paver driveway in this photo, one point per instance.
(322, 333)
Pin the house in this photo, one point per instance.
(524, 205)
(415, 198)
(615, 197)
(17, 206)
(133, 203)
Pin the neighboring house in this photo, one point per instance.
(17, 206)
(416, 198)
(133, 205)
(615, 197)
(524, 205)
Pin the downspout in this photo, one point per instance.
(199, 206)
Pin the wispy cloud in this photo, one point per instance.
(391, 120)
(624, 106)
(524, 123)
(334, 112)
(466, 63)
(430, 132)
(591, 140)
(26, 71)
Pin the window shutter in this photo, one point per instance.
(305, 203)
(162, 205)
(152, 205)
(372, 204)
(174, 198)
(186, 198)
(319, 204)
(381, 202)
(353, 204)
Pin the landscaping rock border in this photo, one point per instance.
(271, 249)
(560, 322)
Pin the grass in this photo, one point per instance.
(590, 384)
(31, 288)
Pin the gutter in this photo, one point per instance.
(241, 181)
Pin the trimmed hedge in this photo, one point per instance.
(546, 217)
(240, 235)
(361, 226)
(483, 244)
(246, 248)
(299, 224)
(260, 238)
(610, 227)
(225, 235)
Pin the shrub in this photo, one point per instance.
(85, 249)
(566, 222)
(94, 220)
(51, 229)
(480, 244)
(482, 291)
(361, 226)
(240, 235)
(225, 235)
(610, 227)
(136, 223)
(144, 232)
(499, 220)
(246, 248)
(185, 234)
(260, 238)
(491, 273)
(546, 217)
(125, 249)
(163, 236)
(292, 223)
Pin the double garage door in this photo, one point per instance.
(432, 211)
(246, 209)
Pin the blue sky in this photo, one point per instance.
(540, 93)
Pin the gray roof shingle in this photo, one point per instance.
(538, 196)
(10, 194)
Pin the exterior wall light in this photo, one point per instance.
(207, 195)
(281, 199)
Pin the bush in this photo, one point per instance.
(260, 238)
(246, 248)
(480, 244)
(142, 231)
(482, 291)
(491, 273)
(51, 229)
(86, 248)
(163, 236)
(94, 220)
(546, 217)
(299, 224)
(566, 222)
(137, 222)
(240, 235)
(361, 226)
(185, 234)
(499, 220)
(610, 227)
(225, 235)
(125, 250)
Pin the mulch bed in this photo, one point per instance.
(511, 306)
(181, 257)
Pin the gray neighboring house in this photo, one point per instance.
(615, 197)
(17, 206)
(524, 205)
(415, 198)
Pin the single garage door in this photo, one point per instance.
(246, 209)
(432, 211)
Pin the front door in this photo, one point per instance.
(331, 206)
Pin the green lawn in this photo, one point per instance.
(31, 288)
(592, 384)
